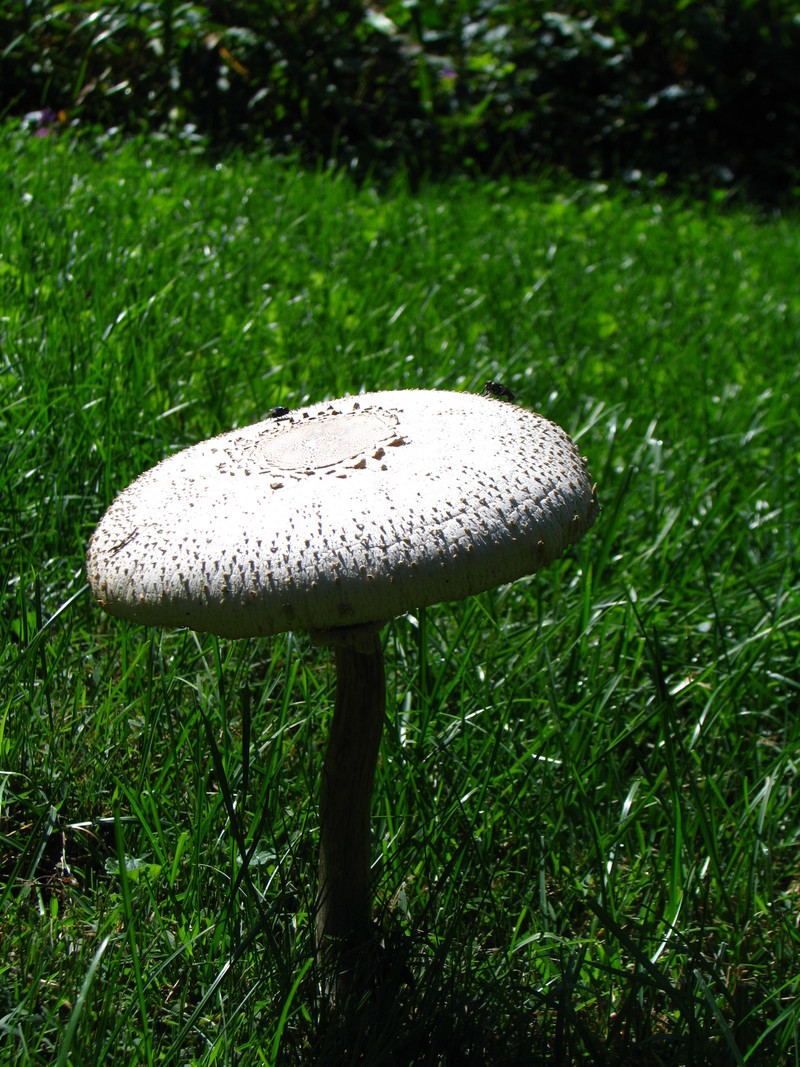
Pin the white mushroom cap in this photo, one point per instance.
(343, 513)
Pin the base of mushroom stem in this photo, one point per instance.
(348, 972)
(380, 973)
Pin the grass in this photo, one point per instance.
(586, 828)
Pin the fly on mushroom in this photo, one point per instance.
(498, 391)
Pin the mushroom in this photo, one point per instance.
(334, 519)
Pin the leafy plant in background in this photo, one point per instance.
(704, 90)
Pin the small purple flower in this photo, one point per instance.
(45, 120)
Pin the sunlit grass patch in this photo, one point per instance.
(586, 843)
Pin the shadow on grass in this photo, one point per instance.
(432, 1011)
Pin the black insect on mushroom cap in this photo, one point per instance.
(498, 391)
(334, 519)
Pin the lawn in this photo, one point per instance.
(586, 832)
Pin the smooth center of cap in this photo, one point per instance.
(327, 439)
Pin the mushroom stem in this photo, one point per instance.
(344, 900)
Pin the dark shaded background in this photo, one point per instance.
(695, 93)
